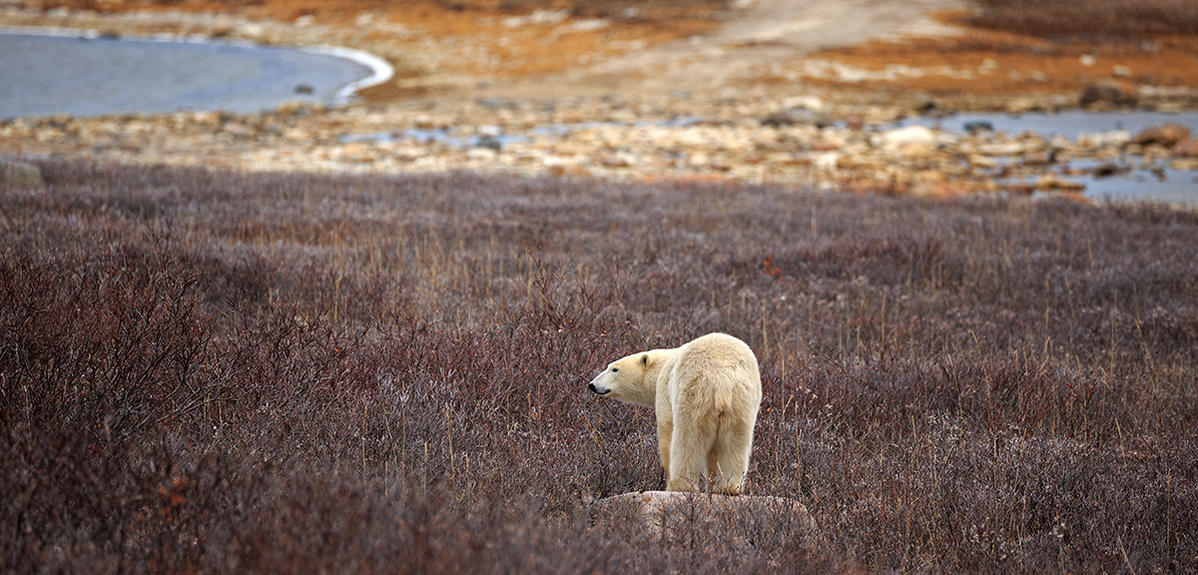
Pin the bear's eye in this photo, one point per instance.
(614, 369)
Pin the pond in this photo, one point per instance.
(1069, 124)
(42, 75)
(1153, 182)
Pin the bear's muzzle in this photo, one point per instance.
(598, 389)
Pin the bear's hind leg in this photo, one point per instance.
(713, 462)
(689, 448)
(665, 432)
(732, 447)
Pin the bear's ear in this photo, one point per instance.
(645, 360)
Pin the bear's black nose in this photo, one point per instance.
(592, 387)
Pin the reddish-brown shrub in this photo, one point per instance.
(214, 371)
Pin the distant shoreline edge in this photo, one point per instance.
(380, 69)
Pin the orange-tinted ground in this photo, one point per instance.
(989, 62)
(476, 37)
(486, 41)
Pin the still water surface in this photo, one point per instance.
(44, 75)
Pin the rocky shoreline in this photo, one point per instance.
(757, 133)
(799, 140)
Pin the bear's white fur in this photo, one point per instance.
(706, 394)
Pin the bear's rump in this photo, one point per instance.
(710, 394)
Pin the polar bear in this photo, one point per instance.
(706, 394)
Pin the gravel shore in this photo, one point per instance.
(754, 132)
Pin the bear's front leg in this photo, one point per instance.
(665, 432)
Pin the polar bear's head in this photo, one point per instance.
(625, 380)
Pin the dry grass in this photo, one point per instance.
(1090, 18)
(1010, 49)
(224, 372)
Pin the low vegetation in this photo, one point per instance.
(1090, 19)
(619, 8)
(228, 372)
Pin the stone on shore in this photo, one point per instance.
(1108, 93)
(1104, 139)
(909, 141)
(797, 117)
(1167, 135)
(1023, 105)
(908, 135)
(978, 127)
(1052, 182)
(1187, 148)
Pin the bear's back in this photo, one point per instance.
(715, 372)
(716, 351)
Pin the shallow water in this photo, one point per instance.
(44, 75)
(442, 136)
(1160, 184)
(1069, 124)
(1176, 186)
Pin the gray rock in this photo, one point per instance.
(908, 135)
(1023, 105)
(1110, 93)
(1041, 158)
(20, 175)
(797, 116)
(1167, 135)
(1108, 169)
(1105, 139)
(1186, 149)
(239, 130)
(978, 126)
(489, 141)
(498, 103)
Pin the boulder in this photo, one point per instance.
(808, 102)
(1052, 182)
(239, 130)
(1184, 165)
(1104, 139)
(1023, 105)
(1003, 149)
(1167, 135)
(825, 161)
(797, 116)
(20, 175)
(1109, 93)
(489, 142)
(670, 510)
(1108, 169)
(908, 136)
(298, 107)
(1187, 148)
(1041, 158)
(588, 25)
(978, 126)
(980, 161)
